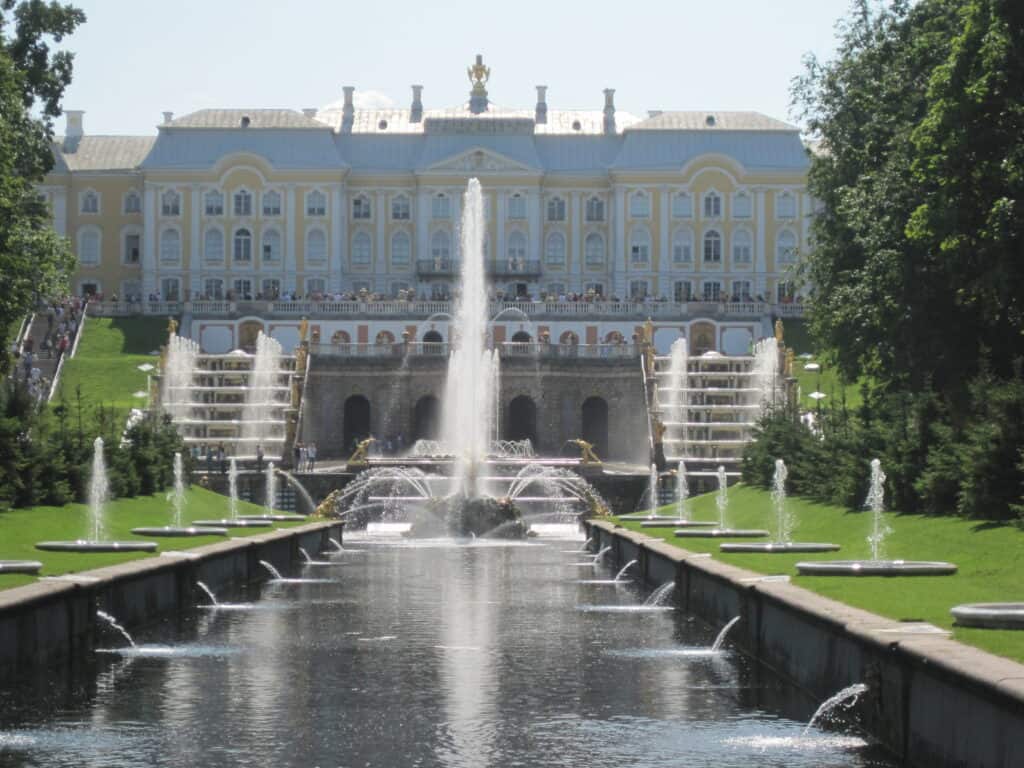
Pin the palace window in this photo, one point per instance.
(516, 249)
(741, 290)
(133, 202)
(316, 246)
(712, 290)
(401, 249)
(213, 245)
(554, 253)
(440, 245)
(556, 289)
(596, 289)
(640, 247)
(640, 205)
(362, 249)
(595, 209)
(213, 203)
(742, 247)
(785, 291)
(638, 290)
(270, 287)
(243, 203)
(271, 246)
(682, 291)
(556, 209)
(315, 286)
(242, 249)
(132, 248)
(785, 247)
(242, 287)
(712, 247)
(682, 246)
(712, 205)
(89, 246)
(741, 206)
(593, 248)
(441, 206)
(785, 206)
(682, 205)
(361, 207)
(400, 210)
(213, 288)
(170, 203)
(517, 207)
(316, 203)
(171, 288)
(272, 203)
(170, 246)
(90, 202)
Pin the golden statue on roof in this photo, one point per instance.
(478, 73)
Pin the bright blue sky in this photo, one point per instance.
(137, 58)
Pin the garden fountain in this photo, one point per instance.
(876, 566)
(178, 504)
(270, 494)
(680, 520)
(99, 491)
(722, 531)
(783, 525)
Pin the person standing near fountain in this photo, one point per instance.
(259, 458)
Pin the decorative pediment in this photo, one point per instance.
(481, 161)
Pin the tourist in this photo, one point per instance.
(209, 460)
(259, 458)
(222, 459)
(303, 453)
(311, 455)
(297, 451)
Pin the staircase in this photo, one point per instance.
(44, 327)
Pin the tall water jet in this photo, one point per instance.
(682, 490)
(99, 489)
(875, 503)
(233, 489)
(721, 529)
(469, 407)
(679, 382)
(766, 372)
(270, 491)
(783, 523)
(722, 497)
(178, 498)
(258, 422)
(652, 490)
(177, 375)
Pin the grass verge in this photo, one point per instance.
(990, 558)
(20, 529)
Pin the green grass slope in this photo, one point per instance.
(990, 558)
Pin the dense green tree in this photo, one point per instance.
(34, 260)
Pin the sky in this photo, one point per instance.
(135, 59)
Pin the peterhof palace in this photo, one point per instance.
(241, 220)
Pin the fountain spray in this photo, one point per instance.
(99, 489)
(682, 490)
(233, 489)
(722, 498)
(783, 524)
(876, 503)
(178, 499)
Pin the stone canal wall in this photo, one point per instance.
(932, 701)
(49, 620)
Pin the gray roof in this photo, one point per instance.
(282, 148)
(710, 121)
(102, 153)
(259, 119)
(754, 150)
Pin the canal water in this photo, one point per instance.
(431, 653)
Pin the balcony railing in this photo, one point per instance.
(438, 267)
(507, 350)
(515, 268)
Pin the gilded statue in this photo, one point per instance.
(658, 429)
(478, 73)
(790, 359)
(303, 329)
(778, 330)
(172, 326)
(587, 454)
(360, 456)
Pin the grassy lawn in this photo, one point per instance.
(990, 558)
(107, 361)
(20, 529)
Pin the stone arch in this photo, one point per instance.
(702, 338)
(521, 337)
(385, 337)
(594, 419)
(569, 339)
(426, 418)
(248, 330)
(341, 337)
(521, 423)
(356, 421)
(613, 337)
(433, 337)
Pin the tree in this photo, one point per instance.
(34, 260)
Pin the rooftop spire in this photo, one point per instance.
(478, 76)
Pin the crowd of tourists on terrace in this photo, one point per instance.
(47, 337)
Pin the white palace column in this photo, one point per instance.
(335, 270)
(618, 282)
(533, 203)
(290, 263)
(576, 224)
(760, 264)
(149, 240)
(664, 287)
(195, 261)
(380, 262)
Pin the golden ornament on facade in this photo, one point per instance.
(479, 74)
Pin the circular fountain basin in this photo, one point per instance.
(171, 531)
(989, 615)
(780, 548)
(233, 523)
(83, 545)
(275, 518)
(677, 524)
(720, 533)
(876, 568)
(20, 566)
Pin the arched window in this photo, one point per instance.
(594, 249)
(516, 247)
(271, 203)
(595, 209)
(742, 249)
(441, 206)
(213, 245)
(639, 205)
(785, 206)
(361, 207)
(316, 203)
(712, 205)
(401, 249)
(243, 203)
(213, 203)
(242, 247)
(682, 205)
(741, 206)
(171, 288)
(517, 206)
(440, 244)
(170, 246)
(640, 247)
(89, 202)
(785, 247)
(316, 246)
(362, 248)
(682, 246)
(400, 210)
(170, 203)
(271, 246)
(712, 247)
(554, 252)
(89, 246)
(131, 243)
(556, 209)
(132, 202)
